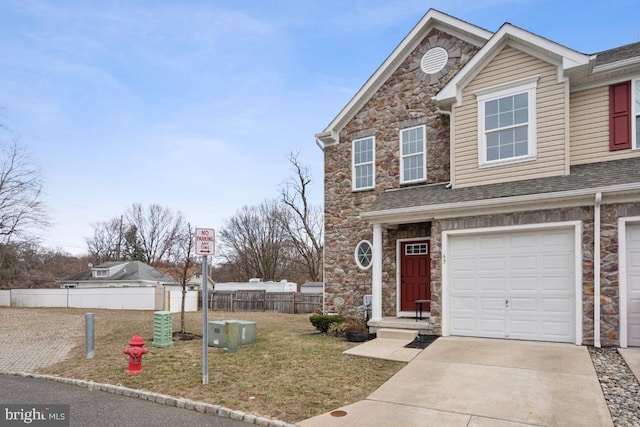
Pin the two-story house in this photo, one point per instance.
(496, 175)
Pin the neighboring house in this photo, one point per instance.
(496, 175)
(118, 274)
(312, 288)
(195, 282)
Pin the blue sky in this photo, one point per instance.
(195, 105)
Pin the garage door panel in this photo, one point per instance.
(462, 304)
(492, 325)
(491, 243)
(559, 329)
(466, 325)
(488, 264)
(464, 264)
(558, 284)
(556, 305)
(489, 284)
(523, 305)
(522, 242)
(491, 304)
(556, 262)
(633, 284)
(465, 284)
(557, 239)
(523, 328)
(523, 263)
(523, 284)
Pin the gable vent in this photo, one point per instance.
(434, 60)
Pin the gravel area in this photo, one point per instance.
(619, 385)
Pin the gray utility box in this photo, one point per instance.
(216, 330)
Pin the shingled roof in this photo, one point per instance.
(582, 177)
(621, 53)
(131, 271)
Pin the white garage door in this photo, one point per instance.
(633, 284)
(518, 285)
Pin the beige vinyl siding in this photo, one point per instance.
(590, 128)
(508, 66)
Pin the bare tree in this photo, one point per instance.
(21, 208)
(107, 242)
(156, 230)
(254, 242)
(182, 263)
(28, 265)
(303, 222)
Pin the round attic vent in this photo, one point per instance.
(434, 60)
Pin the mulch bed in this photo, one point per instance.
(187, 336)
(422, 341)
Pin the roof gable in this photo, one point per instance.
(564, 58)
(432, 19)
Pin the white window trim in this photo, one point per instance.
(511, 89)
(424, 155)
(353, 164)
(357, 258)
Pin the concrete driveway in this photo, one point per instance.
(484, 383)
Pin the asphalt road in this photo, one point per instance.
(97, 409)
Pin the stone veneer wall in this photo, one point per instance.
(404, 100)
(609, 276)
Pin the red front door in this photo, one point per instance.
(415, 274)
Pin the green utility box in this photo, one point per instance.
(216, 333)
(162, 329)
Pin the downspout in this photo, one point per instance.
(596, 270)
(324, 294)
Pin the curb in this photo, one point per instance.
(163, 399)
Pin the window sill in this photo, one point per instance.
(506, 162)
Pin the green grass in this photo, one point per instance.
(290, 373)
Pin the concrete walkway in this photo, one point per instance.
(483, 383)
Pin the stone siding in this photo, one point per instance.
(609, 276)
(404, 100)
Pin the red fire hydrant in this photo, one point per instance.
(135, 351)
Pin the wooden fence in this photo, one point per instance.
(281, 302)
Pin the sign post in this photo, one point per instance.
(205, 245)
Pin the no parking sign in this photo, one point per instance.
(205, 241)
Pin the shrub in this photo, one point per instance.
(355, 324)
(323, 322)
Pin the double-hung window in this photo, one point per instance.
(413, 165)
(507, 123)
(363, 171)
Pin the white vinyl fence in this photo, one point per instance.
(134, 298)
